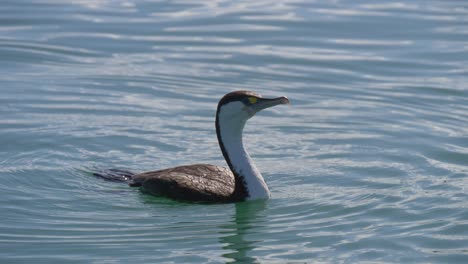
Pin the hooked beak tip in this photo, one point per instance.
(284, 100)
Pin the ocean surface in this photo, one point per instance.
(369, 164)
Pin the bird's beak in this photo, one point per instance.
(264, 103)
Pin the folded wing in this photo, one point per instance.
(198, 182)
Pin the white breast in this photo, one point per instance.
(232, 119)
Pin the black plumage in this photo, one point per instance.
(198, 182)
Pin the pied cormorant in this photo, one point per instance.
(210, 183)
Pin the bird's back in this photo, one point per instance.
(198, 182)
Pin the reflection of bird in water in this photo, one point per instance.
(247, 217)
(210, 183)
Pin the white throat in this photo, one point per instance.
(231, 125)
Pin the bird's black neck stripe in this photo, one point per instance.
(240, 190)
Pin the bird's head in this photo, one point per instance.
(239, 106)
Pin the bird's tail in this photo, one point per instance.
(114, 175)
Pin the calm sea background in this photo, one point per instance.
(369, 164)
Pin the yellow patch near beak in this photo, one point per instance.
(252, 100)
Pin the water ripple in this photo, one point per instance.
(367, 165)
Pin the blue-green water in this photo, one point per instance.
(369, 164)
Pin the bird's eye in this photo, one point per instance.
(252, 99)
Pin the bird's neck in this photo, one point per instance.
(249, 182)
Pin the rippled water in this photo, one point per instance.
(369, 164)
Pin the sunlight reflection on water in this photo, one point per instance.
(367, 165)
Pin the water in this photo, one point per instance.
(369, 164)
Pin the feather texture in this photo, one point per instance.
(197, 182)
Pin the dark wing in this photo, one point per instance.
(199, 182)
